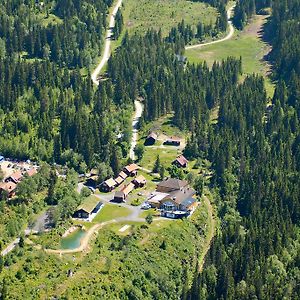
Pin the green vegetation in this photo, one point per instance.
(110, 212)
(145, 254)
(141, 15)
(246, 44)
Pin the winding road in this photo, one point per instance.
(226, 38)
(107, 52)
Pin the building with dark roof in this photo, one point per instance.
(180, 162)
(151, 139)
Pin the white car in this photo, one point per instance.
(146, 206)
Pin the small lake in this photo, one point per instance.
(72, 241)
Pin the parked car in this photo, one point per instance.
(146, 206)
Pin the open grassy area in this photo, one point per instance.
(109, 212)
(247, 44)
(141, 15)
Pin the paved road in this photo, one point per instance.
(135, 123)
(227, 37)
(107, 52)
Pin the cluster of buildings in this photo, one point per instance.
(174, 198)
(13, 175)
(129, 171)
(152, 138)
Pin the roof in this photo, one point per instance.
(110, 182)
(132, 167)
(123, 175)
(127, 189)
(88, 204)
(174, 139)
(8, 186)
(181, 160)
(182, 195)
(188, 202)
(119, 180)
(173, 183)
(152, 135)
(31, 172)
(157, 197)
(16, 176)
(140, 179)
(119, 194)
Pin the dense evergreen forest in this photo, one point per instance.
(245, 9)
(256, 161)
(49, 111)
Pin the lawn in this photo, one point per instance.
(141, 15)
(111, 211)
(246, 44)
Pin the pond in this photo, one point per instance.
(72, 241)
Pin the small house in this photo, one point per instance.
(151, 139)
(131, 170)
(180, 162)
(16, 177)
(89, 207)
(123, 175)
(9, 188)
(121, 195)
(173, 141)
(108, 185)
(139, 181)
(119, 180)
(92, 181)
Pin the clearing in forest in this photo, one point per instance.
(247, 44)
(141, 15)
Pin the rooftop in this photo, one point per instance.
(173, 183)
(110, 182)
(132, 167)
(89, 204)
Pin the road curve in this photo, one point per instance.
(226, 38)
(107, 52)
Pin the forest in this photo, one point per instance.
(50, 112)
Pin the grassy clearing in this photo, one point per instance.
(109, 212)
(141, 15)
(247, 44)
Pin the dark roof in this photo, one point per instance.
(188, 202)
(173, 183)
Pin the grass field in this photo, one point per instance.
(246, 44)
(140, 15)
(109, 212)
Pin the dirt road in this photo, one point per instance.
(108, 38)
(226, 38)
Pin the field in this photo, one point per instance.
(141, 15)
(247, 44)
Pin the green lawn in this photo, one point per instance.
(111, 211)
(140, 15)
(246, 44)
